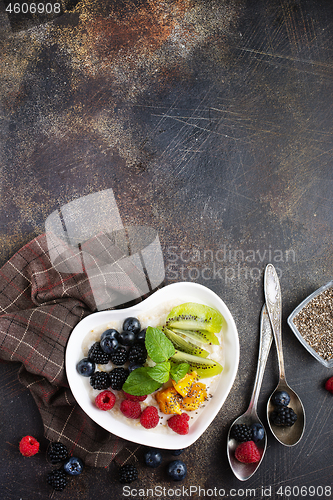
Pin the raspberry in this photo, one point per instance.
(149, 417)
(100, 380)
(128, 473)
(131, 409)
(247, 453)
(134, 398)
(29, 446)
(329, 385)
(57, 452)
(118, 377)
(57, 479)
(105, 400)
(179, 423)
(97, 354)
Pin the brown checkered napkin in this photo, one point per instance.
(39, 307)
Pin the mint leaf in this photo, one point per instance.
(139, 383)
(159, 347)
(179, 371)
(160, 372)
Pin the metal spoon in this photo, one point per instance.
(288, 436)
(245, 471)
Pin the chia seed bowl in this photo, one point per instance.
(312, 323)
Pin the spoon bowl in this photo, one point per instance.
(288, 436)
(245, 471)
(241, 470)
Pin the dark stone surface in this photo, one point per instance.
(212, 123)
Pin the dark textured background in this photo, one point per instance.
(212, 123)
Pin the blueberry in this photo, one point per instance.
(134, 366)
(141, 335)
(153, 457)
(132, 325)
(176, 453)
(85, 367)
(258, 432)
(280, 398)
(111, 332)
(127, 338)
(109, 344)
(73, 466)
(177, 470)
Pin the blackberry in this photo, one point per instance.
(97, 354)
(241, 432)
(128, 473)
(57, 479)
(100, 380)
(117, 378)
(119, 356)
(57, 452)
(283, 416)
(137, 354)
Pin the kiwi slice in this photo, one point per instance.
(184, 345)
(205, 368)
(199, 336)
(202, 319)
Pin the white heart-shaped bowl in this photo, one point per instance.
(161, 436)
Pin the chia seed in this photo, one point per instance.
(315, 323)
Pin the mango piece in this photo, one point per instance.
(195, 397)
(169, 401)
(184, 385)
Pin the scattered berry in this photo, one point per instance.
(127, 338)
(119, 356)
(57, 479)
(283, 416)
(176, 453)
(179, 423)
(177, 470)
(329, 385)
(241, 432)
(280, 398)
(247, 453)
(131, 409)
(149, 417)
(258, 432)
(128, 473)
(97, 355)
(134, 398)
(132, 325)
(153, 458)
(137, 353)
(29, 446)
(105, 400)
(73, 466)
(57, 452)
(109, 345)
(118, 377)
(85, 367)
(100, 380)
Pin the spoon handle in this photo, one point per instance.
(266, 337)
(274, 308)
